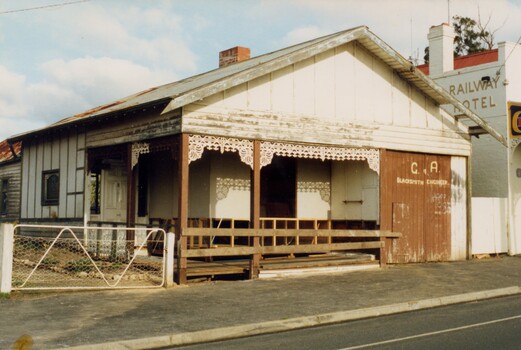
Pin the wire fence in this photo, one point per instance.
(58, 257)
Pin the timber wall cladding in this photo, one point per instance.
(66, 153)
(416, 201)
(12, 172)
(344, 96)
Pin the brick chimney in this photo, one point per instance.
(441, 49)
(235, 54)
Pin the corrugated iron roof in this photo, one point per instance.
(6, 154)
(200, 86)
(469, 60)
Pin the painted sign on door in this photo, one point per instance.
(416, 201)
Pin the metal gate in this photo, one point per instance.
(72, 257)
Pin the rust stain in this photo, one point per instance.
(5, 150)
(101, 108)
(416, 196)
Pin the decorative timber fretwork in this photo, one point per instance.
(269, 149)
(198, 143)
(323, 188)
(224, 185)
(139, 148)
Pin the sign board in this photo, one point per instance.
(514, 115)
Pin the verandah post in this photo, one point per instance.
(6, 257)
(131, 202)
(169, 259)
(182, 217)
(255, 208)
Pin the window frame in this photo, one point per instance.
(46, 175)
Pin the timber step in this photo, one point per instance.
(198, 268)
(323, 260)
(202, 268)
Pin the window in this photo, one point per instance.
(3, 197)
(50, 187)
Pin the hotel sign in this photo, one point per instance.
(514, 115)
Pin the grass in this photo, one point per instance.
(5, 296)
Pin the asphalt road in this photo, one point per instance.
(489, 324)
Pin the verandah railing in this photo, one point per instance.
(237, 242)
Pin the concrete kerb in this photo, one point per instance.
(226, 333)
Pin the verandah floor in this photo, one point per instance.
(198, 268)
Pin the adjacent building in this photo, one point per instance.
(489, 84)
(10, 173)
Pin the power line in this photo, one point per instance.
(44, 7)
(516, 44)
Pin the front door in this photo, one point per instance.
(114, 193)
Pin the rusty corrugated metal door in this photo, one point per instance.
(415, 200)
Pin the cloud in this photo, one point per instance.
(11, 94)
(67, 88)
(14, 105)
(302, 34)
(400, 22)
(101, 80)
(147, 36)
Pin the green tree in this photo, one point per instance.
(471, 37)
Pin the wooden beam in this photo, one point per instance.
(288, 249)
(255, 197)
(182, 216)
(320, 248)
(476, 131)
(460, 116)
(244, 232)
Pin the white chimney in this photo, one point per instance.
(441, 49)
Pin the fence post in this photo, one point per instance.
(169, 259)
(6, 257)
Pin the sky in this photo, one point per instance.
(56, 61)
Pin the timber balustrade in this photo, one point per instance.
(221, 237)
(279, 236)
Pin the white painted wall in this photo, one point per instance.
(345, 96)
(488, 101)
(458, 207)
(489, 225)
(229, 188)
(313, 189)
(353, 181)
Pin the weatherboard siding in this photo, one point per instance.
(344, 96)
(313, 130)
(65, 153)
(12, 173)
(137, 127)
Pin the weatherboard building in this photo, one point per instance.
(333, 145)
